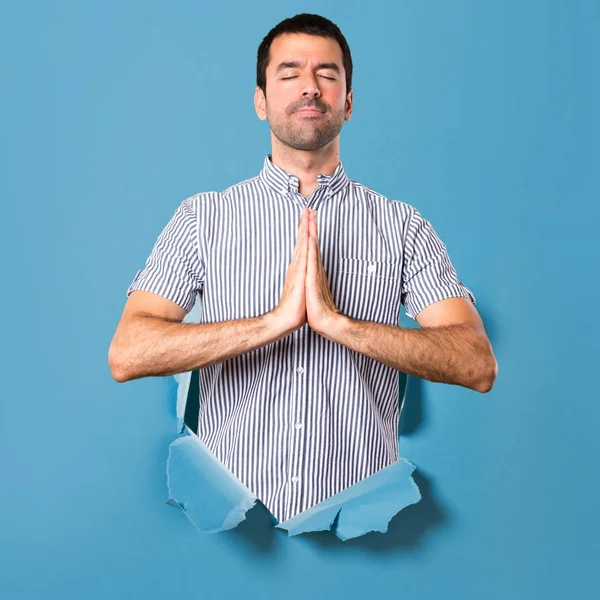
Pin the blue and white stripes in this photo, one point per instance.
(302, 418)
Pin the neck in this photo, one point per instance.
(306, 164)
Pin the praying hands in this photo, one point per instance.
(306, 297)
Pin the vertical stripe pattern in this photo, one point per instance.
(302, 418)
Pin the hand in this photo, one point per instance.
(320, 308)
(291, 310)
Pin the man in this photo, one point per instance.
(302, 272)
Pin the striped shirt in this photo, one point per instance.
(302, 418)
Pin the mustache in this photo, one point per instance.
(316, 104)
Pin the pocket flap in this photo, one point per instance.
(370, 268)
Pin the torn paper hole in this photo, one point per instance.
(214, 499)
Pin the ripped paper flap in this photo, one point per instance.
(211, 497)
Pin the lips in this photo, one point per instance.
(309, 111)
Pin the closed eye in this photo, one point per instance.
(324, 77)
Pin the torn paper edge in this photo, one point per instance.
(366, 506)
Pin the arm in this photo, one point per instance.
(151, 340)
(451, 348)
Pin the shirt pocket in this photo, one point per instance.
(368, 290)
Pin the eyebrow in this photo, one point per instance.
(294, 64)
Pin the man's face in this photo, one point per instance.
(306, 102)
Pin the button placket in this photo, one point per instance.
(296, 422)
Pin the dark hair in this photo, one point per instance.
(302, 23)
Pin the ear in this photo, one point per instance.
(349, 104)
(260, 104)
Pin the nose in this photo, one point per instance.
(314, 92)
(310, 87)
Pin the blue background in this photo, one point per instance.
(483, 115)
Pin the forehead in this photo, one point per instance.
(303, 47)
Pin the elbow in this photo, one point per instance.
(115, 364)
(488, 376)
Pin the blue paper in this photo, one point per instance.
(211, 497)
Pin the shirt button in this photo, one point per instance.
(298, 425)
(371, 268)
(300, 370)
(295, 478)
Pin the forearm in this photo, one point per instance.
(150, 346)
(454, 354)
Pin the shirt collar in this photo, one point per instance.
(283, 182)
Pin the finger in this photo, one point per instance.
(308, 264)
(304, 247)
(303, 240)
(311, 247)
(322, 278)
(302, 218)
(302, 227)
(314, 277)
(305, 230)
(314, 236)
(311, 224)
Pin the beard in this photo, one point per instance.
(306, 133)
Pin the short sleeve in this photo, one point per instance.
(427, 272)
(174, 268)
